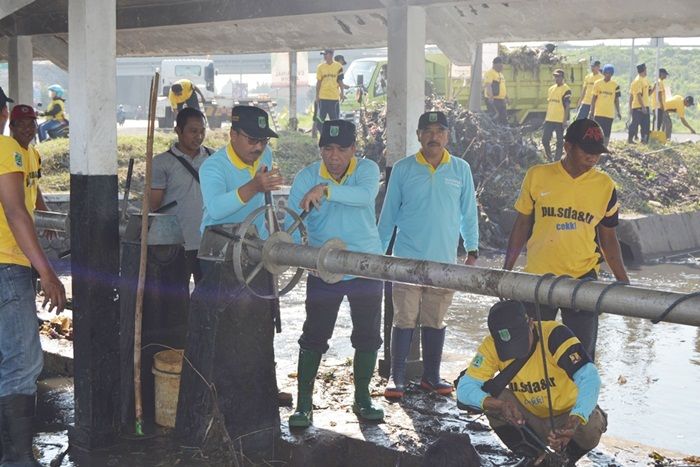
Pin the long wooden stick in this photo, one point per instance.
(145, 207)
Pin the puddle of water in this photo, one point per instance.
(649, 372)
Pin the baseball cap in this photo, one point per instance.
(587, 135)
(3, 98)
(558, 72)
(641, 67)
(22, 111)
(340, 59)
(690, 101)
(327, 51)
(340, 132)
(663, 70)
(428, 118)
(608, 68)
(252, 120)
(510, 329)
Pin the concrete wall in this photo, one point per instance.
(650, 237)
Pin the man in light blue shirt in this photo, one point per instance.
(430, 199)
(339, 192)
(235, 178)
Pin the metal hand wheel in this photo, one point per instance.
(247, 250)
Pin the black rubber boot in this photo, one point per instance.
(18, 413)
(573, 453)
(7, 452)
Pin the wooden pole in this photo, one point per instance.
(145, 208)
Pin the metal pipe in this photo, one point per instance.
(51, 220)
(623, 300)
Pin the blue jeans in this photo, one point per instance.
(583, 111)
(47, 126)
(21, 359)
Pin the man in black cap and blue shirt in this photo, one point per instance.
(516, 402)
(339, 193)
(430, 199)
(234, 179)
(567, 213)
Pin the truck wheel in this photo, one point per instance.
(214, 122)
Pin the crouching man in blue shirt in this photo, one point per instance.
(517, 402)
(339, 191)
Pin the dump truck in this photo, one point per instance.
(527, 89)
(216, 107)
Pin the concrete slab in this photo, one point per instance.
(646, 238)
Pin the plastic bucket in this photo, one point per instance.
(167, 366)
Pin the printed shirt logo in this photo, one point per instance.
(335, 130)
(478, 361)
(18, 159)
(575, 358)
(262, 122)
(504, 334)
(432, 117)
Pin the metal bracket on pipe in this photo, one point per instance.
(323, 273)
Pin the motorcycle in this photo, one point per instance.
(61, 131)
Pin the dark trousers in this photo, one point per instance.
(547, 130)
(639, 120)
(327, 108)
(583, 111)
(193, 266)
(606, 125)
(659, 119)
(497, 108)
(322, 305)
(584, 324)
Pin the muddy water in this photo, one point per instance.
(650, 373)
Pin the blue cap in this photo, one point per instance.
(608, 68)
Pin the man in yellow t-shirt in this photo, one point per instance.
(495, 91)
(563, 208)
(183, 93)
(21, 357)
(605, 102)
(584, 103)
(558, 101)
(517, 403)
(659, 93)
(677, 105)
(329, 89)
(639, 103)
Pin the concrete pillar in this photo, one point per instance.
(476, 84)
(293, 121)
(94, 217)
(405, 78)
(21, 77)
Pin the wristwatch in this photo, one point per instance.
(473, 253)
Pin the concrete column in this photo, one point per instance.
(405, 78)
(21, 77)
(476, 84)
(293, 121)
(94, 217)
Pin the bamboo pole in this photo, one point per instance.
(145, 208)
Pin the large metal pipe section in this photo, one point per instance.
(564, 292)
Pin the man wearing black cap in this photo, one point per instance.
(329, 87)
(558, 102)
(430, 200)
(584, 103)
(339, 193)
(21, 358)
(234, 179)
(563, 207)
(659, 93)
(495, 91)
(517, 403)
(4, 112)
(639, 106)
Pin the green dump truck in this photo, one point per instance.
(527, 89)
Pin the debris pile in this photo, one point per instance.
(528, 59)
(58, 327)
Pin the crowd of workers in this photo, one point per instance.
(567, 213)
(600, 101)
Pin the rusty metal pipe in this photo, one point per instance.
(622, 300)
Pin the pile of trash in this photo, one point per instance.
(58, 327)
(529, 59)
(498, 155)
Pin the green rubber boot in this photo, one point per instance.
(306, 374)
(363, 369)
